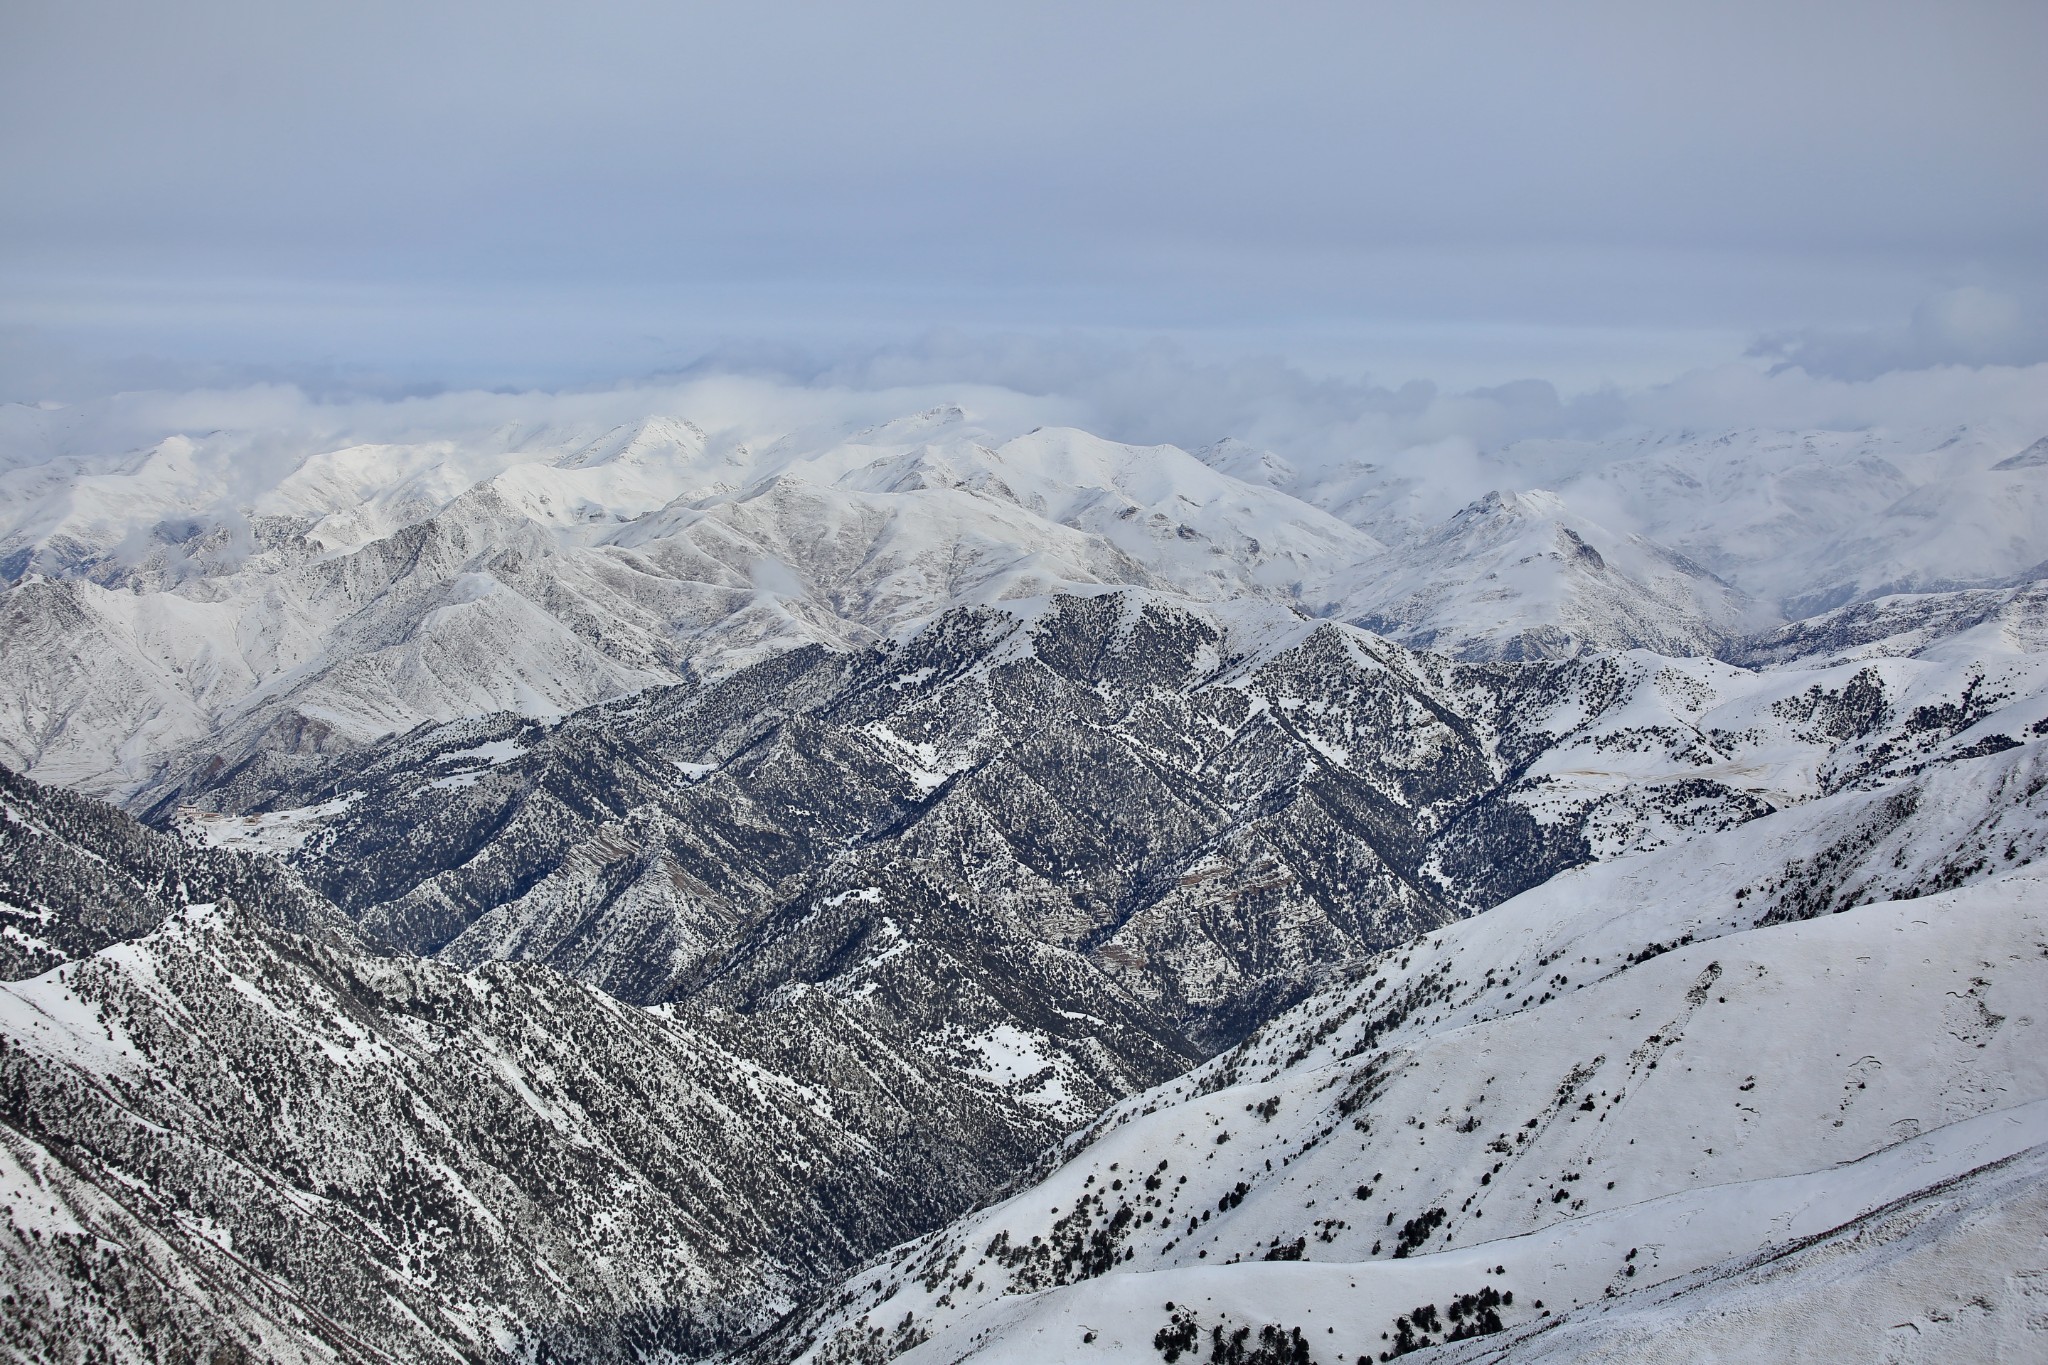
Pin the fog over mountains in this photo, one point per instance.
(786, 882)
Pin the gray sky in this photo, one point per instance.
(550, 193)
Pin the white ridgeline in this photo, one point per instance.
(1675, 1106)
(375, 587)
(227, 591)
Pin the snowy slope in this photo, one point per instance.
(1518, 576)
(941, 783)
(1190, 811)
(1809, 520)
(1635, 1073)
(1907, 1282)
(1120, 827)
(1994, 620)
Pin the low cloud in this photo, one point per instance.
(1144, 394)
(1966, 326)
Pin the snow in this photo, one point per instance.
(276, 833)
(1016, 1060)
(1008, 1054)
(45, 1015)
(921, 761)
(1929, 1279)
(566, 565)
(1512, 566)
(540, 568)
(491, 752)
(1574, 1262)
(1637, 1067)
(32, 1206)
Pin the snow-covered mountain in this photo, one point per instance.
(1810, 520)
(1169, 817)
(1518, 576)
(603, 884)
(238, 1132)
(217, 593)
(1795, 522)
(1765, 1066)
(1031, 860)
(375, 587)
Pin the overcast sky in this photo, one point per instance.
(515, 192)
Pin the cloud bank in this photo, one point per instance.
(1970, 325)
(1152, 394)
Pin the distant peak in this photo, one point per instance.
(1531, 503)
(632, 442)
(945, 414)
(1579, 549)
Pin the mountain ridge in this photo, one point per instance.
(362, 588)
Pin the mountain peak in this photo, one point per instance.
(637, 443)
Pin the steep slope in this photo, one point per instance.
(800, 834)
(1797, 522)
(1193, 527)
(1759, 508)
(1949, 1272)
(1018, 783)
(1191, 809)
(1910, 625)
(241, 591)
(234, 1135)
(1688, 1063)
(1067, 848)
(1810, 520)
(443, 619)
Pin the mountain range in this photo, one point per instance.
(677, 892)
(172, 599)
